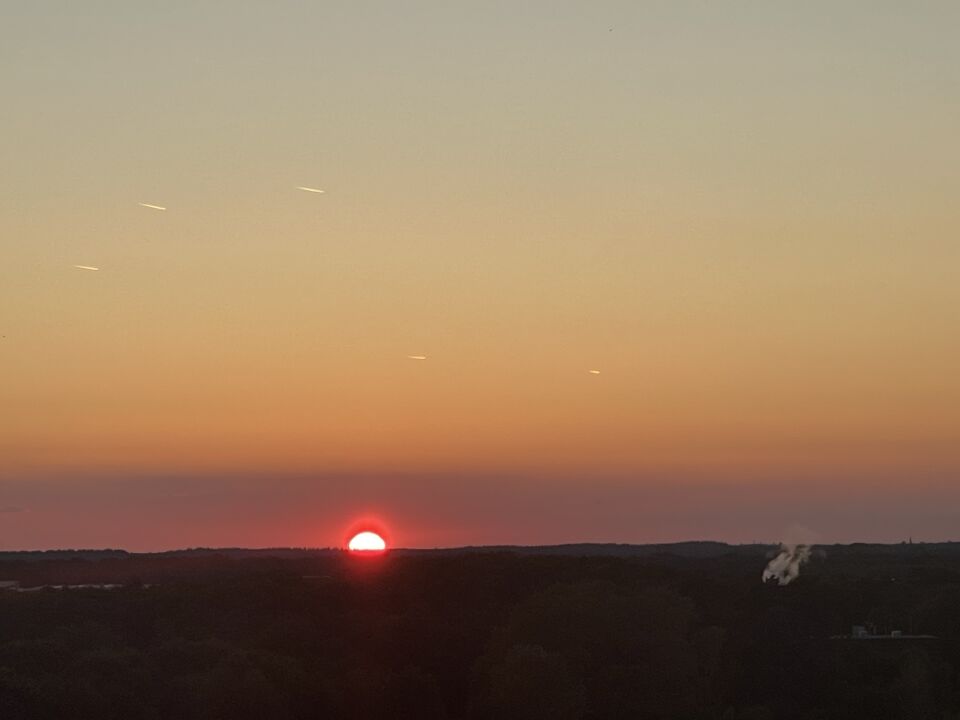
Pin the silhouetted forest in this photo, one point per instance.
(661, 632)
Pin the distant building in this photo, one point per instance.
(861, 632)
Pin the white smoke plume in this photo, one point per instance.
(785, 567)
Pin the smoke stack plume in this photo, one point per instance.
(785, 567)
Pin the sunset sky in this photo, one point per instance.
(743, 215)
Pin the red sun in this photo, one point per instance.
(367, 542)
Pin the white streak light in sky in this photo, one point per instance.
(417, 357)
(310, 189)
(593, 372)
(152, 207)
(86, 267)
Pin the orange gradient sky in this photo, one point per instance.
(743, 215)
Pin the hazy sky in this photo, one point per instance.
(743, 214)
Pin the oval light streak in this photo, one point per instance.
(367, 541)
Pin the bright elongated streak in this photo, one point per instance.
(310, 189)
(417, 357)
(593, 372)
(152, 207)
(86, 267)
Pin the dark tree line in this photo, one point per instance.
(482, 636)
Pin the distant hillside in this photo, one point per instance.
(39, 555)
(694, 549)
(690, 549)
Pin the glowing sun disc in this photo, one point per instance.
(367, 542)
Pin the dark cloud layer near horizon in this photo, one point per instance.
(166, 512)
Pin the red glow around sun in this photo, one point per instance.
(367, 542)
